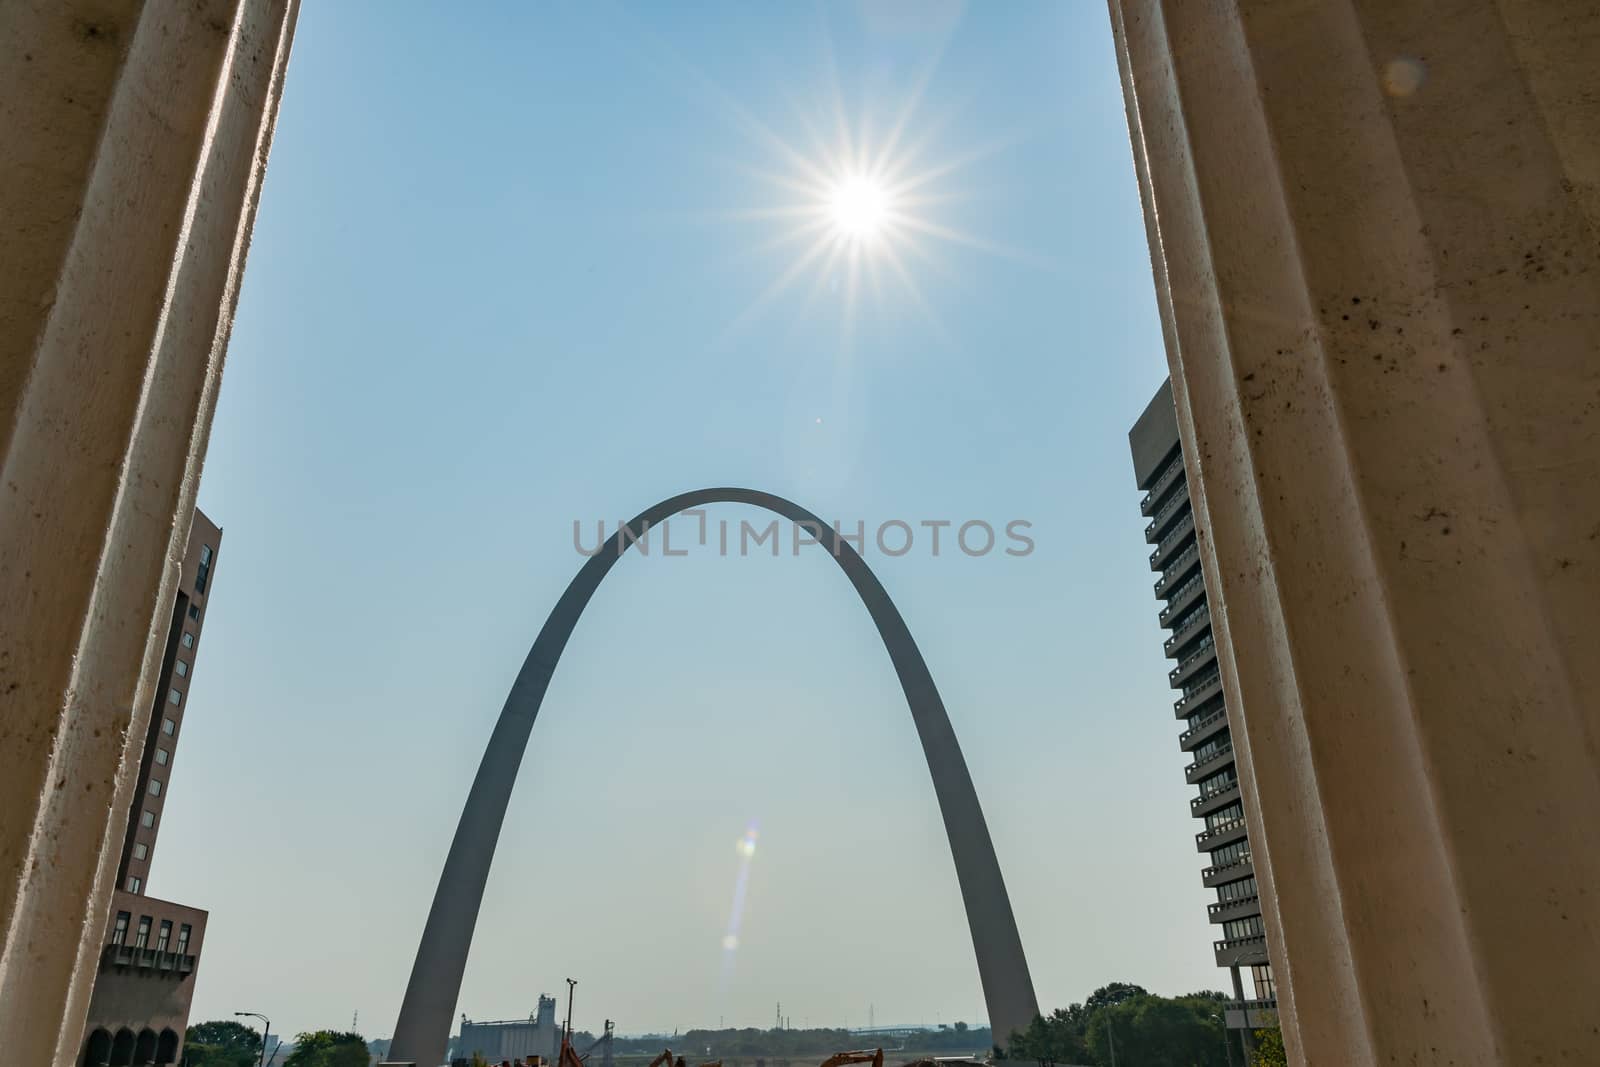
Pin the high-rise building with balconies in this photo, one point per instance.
(1202, 713)
(139, 1009)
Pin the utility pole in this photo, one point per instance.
(566, 1035)
(1111, 1039)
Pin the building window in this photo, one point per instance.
(1225, 817)
(155, 787)
(174, 697)
(140, 851)
(1243, 889)
(134, 885)
(188, 639)
(161, 756)
(1239, 928)
(205, 569)
(142, 938)
(164, 935)
(167, 726)
(183, 940)
(148, 819)
(1230, 854)
(181, 667)
(1265, 988)
(119, 933)
(1220, 782)
(194, 611)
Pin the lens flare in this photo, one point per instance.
(746, 850)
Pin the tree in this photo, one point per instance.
(961, 1027)
(1113, 993)
(329, 1048)
(1056, 1039)
(1269, 1050)
(221, 1043)
(1157, 1032)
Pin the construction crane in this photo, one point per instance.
(839, 1059)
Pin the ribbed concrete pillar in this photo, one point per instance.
(134, 138)
(1373, 231)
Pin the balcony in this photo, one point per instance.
(1214, 762)
(1207, 685)
(1193, 665)
(1189, 627)
(1241, 951)
(1162, 482)
(147, 959)
(1252, 1014)
(1228, 910)
(1220, 799)
(1182, 597)
(1209, 712)
(1211, 877)
(1177, 569)
(1165, 516)
(1171, 541)
(1226, 834)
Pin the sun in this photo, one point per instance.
(859, 208)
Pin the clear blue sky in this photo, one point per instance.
(517, 265)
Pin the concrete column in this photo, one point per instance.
(1373, 232)
(135, 135)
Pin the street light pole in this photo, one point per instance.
(1227, 1049)
(266, 1028)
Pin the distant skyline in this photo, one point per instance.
(491, 248)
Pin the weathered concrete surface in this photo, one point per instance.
(426, 1015)
(135, 136)
(1373, 232)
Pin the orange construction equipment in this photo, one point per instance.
(666, 1060)
(839, 1059)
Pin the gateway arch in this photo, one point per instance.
(423, 1029)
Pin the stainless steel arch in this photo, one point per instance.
(422, 1031)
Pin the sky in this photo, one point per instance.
(518, 266)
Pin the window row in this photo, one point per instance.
(1266, 989)
(1220, 782)
(1224, 817)
(1220, 743)
(141, 939)
(1238, 928)
(1230, 854)
(1243, 889)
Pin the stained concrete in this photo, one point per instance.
(1373, 237)
(135, 137)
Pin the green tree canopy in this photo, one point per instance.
(221, 1043)
(1157, 1032)
(1149, 1031)
(1114, 993)
(1056, 1038)
(1269, 1050)
(329, 1048)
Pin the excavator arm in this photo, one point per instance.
(840, 1059)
